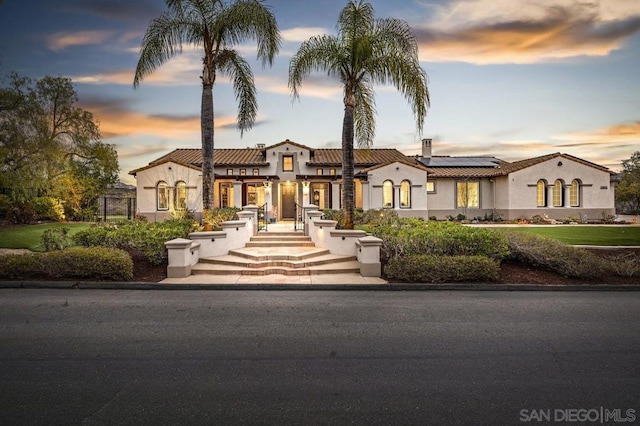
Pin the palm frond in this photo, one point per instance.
(319, 53)
(232, 65)
(365, 114)
(355, 21)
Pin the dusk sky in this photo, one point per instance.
(510, 78)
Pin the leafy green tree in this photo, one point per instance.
(50, 147)
(215, 27)
(628, 190)
(366, 52)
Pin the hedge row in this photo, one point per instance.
(427, 268)
(78, 262)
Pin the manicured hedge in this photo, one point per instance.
(442, 269)
(405, 237)
(78, 262)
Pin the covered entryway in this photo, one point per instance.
(288, 191)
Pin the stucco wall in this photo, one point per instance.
(397, 172)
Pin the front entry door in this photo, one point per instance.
(288, 201)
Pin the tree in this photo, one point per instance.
(50, 147)
(214, 26)
(365, 52)
(628, 190)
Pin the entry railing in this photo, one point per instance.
(262, 217)
(299, 220)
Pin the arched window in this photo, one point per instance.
(574, 193)
(181, 196)
(541, 193)
(387, 194)
(405, 194)
(162, 195)
(558, 193)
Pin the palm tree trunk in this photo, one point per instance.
(206, 125)
(347, 167)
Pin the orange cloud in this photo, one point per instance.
(62, 40)
(521, 33)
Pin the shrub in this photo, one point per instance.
(78, 262)
(439, 269)
(215, 217)
(56, 239)
(147, 237)
(21, 212)
(5, 204)
(47, 208)
(553, 255)
(414, 236)
(372, 217)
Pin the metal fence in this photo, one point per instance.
(111, 209)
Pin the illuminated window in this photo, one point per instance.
(541, 193)
(229, 171)
(226, 195)
(574, 193)
(468, 195)
(387, 194)
(287, 163)
(254, 194)
(256, 172)
(405, 194)
(163, 196)
(332, 172)
(181, 196)
(319, 172)
(431, 186)
(243, 172)
(558, 193)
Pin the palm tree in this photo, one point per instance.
(365, 52)
(214, 26)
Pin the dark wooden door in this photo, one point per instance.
(288, 200)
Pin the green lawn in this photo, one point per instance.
(588, 235)
(28, 236)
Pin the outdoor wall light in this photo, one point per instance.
(305, 187)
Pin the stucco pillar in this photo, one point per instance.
(335, 195)
(237, 194)
(306, 215)
(366, 196)
(179, 251)
(253, 210)
(368, 254)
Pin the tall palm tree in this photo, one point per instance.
(214, 26)
(366, 51)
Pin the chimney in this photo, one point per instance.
(260, 146)
(426, 148)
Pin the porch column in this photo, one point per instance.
(366, 196)
(335, 195)
(237, 194)
(309, 211)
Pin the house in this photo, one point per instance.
(283, 177)
(287, 175)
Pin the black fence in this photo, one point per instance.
(112, 209)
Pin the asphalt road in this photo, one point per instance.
(283, 357)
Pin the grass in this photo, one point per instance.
(28, 236)
(588, 235)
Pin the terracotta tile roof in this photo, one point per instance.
(464, 172)
(192, 157)
(409, 161)
(291, 143)
(362, 157)
(523, 164)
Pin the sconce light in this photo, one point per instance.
(559, 163)
(267, 187)
(273, 153)
(305, 187)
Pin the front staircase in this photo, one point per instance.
(285, 253)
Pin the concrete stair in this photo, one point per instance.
(285, 253)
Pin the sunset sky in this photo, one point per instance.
(510, 78)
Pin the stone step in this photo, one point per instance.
(323, 259)
(351, 266)
(279, 238)
(276, 245)
(281, 233)
(282, 253)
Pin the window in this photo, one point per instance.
(287, 163)
(541, 193)
(431, 186)
(558, 193)
(468, 195)
(163, 195)
(319, 172)
(226, 195)
(181, 196)
(256, 172)
(574, 193)
(332, 172)
(321, 195)
(387, 194)
(405, 194)
(229, 171)
(243, 172)
(254, 194)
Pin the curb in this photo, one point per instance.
(91, 285)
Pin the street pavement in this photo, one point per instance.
(323, 357)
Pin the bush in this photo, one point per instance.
(373, 217)
(56, 239)
(414, 236)
(96, 263)
(5, 204)
(47, 208)
(147, 237)
(21, 212)
(440, 269)
(215, 217)
(553, 255)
